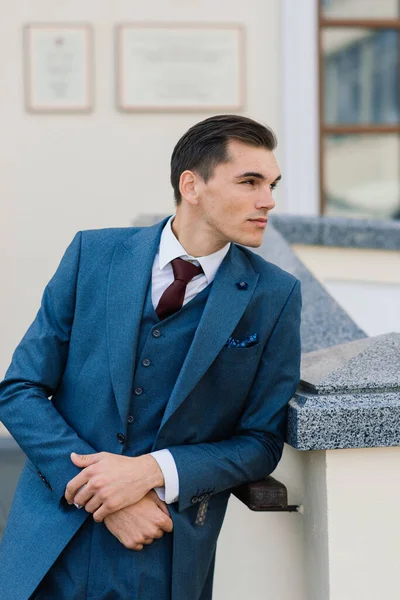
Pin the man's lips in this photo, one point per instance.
(261, 223)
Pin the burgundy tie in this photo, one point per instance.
(172, 299)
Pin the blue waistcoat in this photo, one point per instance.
(162, 349)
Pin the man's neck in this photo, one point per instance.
(194, 239)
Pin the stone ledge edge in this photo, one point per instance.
(344, 421)
(338, 231)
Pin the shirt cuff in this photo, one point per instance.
(170, 492)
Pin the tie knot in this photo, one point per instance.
(185, 270)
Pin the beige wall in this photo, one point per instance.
(363, 491)
(263, 555)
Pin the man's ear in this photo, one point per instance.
(188, 186)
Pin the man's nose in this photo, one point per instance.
(265, 200)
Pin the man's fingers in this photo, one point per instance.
(148, 541)
(100, 514)
(162, 506)
(92, 505)
(83, 495)
(168, 525)
(76, 484)
(159, 534)
(138, 547)
(165, 523)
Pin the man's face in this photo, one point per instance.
(235, 201)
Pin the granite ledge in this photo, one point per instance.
(317, 422)
(338, 231)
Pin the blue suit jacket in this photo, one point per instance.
(80, 351)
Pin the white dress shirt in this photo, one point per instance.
(162, 277)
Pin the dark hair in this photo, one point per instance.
(204, 146)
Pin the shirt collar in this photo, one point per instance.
(171, 248)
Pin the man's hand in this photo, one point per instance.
(110, 482)
(140, 524)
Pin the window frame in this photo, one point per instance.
(325, 23)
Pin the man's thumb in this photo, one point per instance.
(82, 459)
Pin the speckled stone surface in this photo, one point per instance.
(321, 363)
(338, 231)
(349, 397)
(344, 421)
(362, 366)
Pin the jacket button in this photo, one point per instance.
(120, 438)
(146, 362)
(131, 418)
(194, 500)
(138, 391)
(156, 333)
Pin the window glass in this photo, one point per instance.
(362, 175)
(360, 9)
(361, 76)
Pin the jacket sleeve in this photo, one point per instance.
(35, 372)
(256, 448)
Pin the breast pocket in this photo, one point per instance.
(240, 356)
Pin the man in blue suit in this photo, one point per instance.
(154, 379)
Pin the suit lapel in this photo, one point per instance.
(224, 308)
(129, 277)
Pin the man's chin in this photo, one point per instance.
(254, 244)
(250, 241)
(245, 238)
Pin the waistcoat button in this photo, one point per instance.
(131, 418)
(156, 333)
(146, 362)
(120, 438)
(138, 391)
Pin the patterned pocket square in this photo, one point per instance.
(252, 340)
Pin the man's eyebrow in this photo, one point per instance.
(257, 176)
(277, 179)
(251, 174)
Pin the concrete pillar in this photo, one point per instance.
(347, 415)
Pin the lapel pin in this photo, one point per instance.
(242, 285)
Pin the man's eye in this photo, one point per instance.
(273, 186)
(251, 181)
